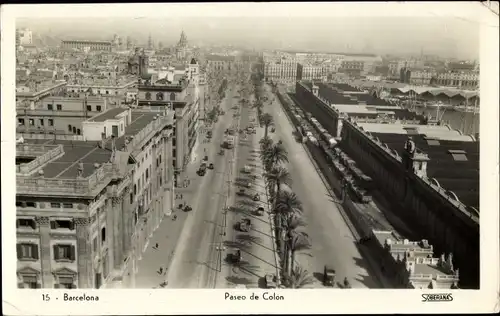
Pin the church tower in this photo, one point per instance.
(182, 46)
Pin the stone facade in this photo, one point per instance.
(86, 232)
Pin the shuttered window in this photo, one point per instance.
(27, 251)
(64, 252)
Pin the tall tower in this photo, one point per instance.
(150, 42)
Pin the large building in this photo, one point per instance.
(61, 115)
(87, 45)
(182, 96)
(220, 64)
(435, 188)
(24, 37)
(311, 71)
(86, 208)
(283, 70)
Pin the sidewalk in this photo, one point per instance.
(168, 233)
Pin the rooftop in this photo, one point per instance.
(88, 152)
(454, 165)
(108, 115)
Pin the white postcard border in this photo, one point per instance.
(29, 302)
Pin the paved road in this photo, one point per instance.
(194, 260)
(332, 241)
(256, 245)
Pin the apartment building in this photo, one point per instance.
(86, 208)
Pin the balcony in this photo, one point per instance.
(90, 186)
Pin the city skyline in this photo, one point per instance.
(448, 37)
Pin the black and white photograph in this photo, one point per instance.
(249, 150)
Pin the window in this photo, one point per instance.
(147, 174)
(68, 205)
(69, 128)
(89, 107)
(30, 204)
(51, 122)
(64, 252)
(65, 282)
(458, 155)
(30, 282)
(27, 251)
(135, 189)
(161, 183)
(74, 130)
(98, 108)
(103, 235)
(26, 223)
(172, 96)
(55, 205)
(94, 244)
(78, 132)
(50, 107)
(107, 92)
(20, 121)
(41, 122)
(62, 224)
(148, 96)
(59, 107)
(131, 198)
(32, 122)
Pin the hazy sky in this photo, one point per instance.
(446, 36)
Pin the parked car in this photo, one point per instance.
(270, 281)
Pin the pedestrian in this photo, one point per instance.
(156, 245)
(161, 270)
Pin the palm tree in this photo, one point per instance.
(298, 278)
(274, 155)
(290, 225)
(267, 120)
(296, 241)
(287, 205)
(276, 177)
(265, 143)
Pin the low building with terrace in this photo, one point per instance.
(87, 204)
(412, 263)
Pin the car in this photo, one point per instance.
(211, 166)
(270, 281)
(260, 211)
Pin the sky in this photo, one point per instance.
(445, 36)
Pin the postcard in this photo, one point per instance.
(257, 158)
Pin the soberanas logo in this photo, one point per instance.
(437, 297)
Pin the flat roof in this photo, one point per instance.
(88, 152)
(428, 269)
(109, 114)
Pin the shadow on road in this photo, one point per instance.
(236, 280)
(234, 245)
(246, 268)
(248, 239)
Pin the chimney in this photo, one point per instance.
(79, 174)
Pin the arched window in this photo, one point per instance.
(172, 96)
(148, 95)
(78, 132)
(74, 129)
(159, 96)
(69, 128)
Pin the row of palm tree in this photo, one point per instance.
(287, 209)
